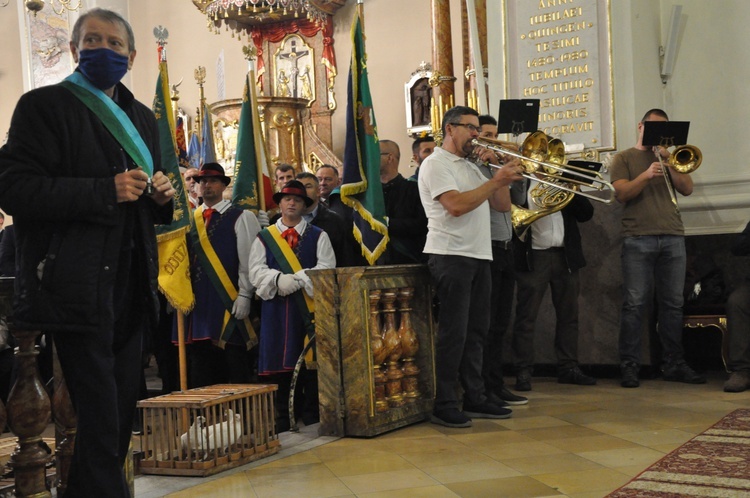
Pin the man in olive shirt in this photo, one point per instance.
(653, 256)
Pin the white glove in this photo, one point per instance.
(241, 307)
(307, 285)
(287, 284)
(263, 218)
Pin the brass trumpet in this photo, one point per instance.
(536, 164)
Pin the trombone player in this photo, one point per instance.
(653, 255)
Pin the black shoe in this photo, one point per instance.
(681, 372)
(495, 399)
(629, 374)
(486, 410)
(450, 417)
(523, 380)
(573, 375)
(509, 398)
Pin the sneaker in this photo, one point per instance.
(495, 399)
(681, 372)
(523, 380)
(629, 374)
(486, 410)
(450, 417)
(574, 375)
(737, 382)
(511, 399)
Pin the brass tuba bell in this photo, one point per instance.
(548, 197)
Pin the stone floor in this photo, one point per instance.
(580, 442)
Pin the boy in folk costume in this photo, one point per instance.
(279, 258)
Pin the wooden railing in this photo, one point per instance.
(29, 412)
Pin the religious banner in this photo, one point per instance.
(361, 189)
(174, 264)
(252, 176)
(559, 51)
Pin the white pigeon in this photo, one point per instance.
(218, 433)
(225, 434)
(196, 435)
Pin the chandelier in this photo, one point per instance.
(238, 15)
(59, 6)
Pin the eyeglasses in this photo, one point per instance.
(469, 126)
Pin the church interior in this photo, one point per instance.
(422, 57)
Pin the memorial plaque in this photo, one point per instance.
(559, 52)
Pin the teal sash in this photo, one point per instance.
(114, 119)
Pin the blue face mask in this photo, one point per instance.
(103, 67)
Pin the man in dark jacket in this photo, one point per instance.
(738, 324)
(407, 223)
(81, 175)
(322, 217)
(550, 254)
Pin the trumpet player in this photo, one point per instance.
(653, 256)
(503, 286)
(457, 199)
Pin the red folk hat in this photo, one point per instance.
(293, 187)
(212, 170)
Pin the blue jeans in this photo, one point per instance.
(652, 263)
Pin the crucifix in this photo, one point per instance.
(293, 57)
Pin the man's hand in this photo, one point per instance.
(654, 170)
(509, 173)
(241, 307)
(130, 185)
(162, 188)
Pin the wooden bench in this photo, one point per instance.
(697, 321)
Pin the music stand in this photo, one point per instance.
(588, 168)
(517, 116)
(665, 133)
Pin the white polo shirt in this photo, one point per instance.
(466, 235)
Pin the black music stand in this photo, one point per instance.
(517, 116)
(665, 133)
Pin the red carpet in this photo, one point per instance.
(715, 463)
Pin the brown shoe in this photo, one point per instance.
(737, 382)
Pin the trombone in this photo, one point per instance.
(684, 159)
(535, 155)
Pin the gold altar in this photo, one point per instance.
(375, 348)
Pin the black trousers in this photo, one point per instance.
(550, 270)
(738, 325)
(501, 308)
(463, 287)
(102, 371)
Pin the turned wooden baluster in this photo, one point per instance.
(378, 352)
(409, 346)
(28, 415)
(393, 373)
(65, 417)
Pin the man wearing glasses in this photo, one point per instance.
(457, 199)
(193, 187)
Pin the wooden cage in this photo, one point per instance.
(208, 430)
